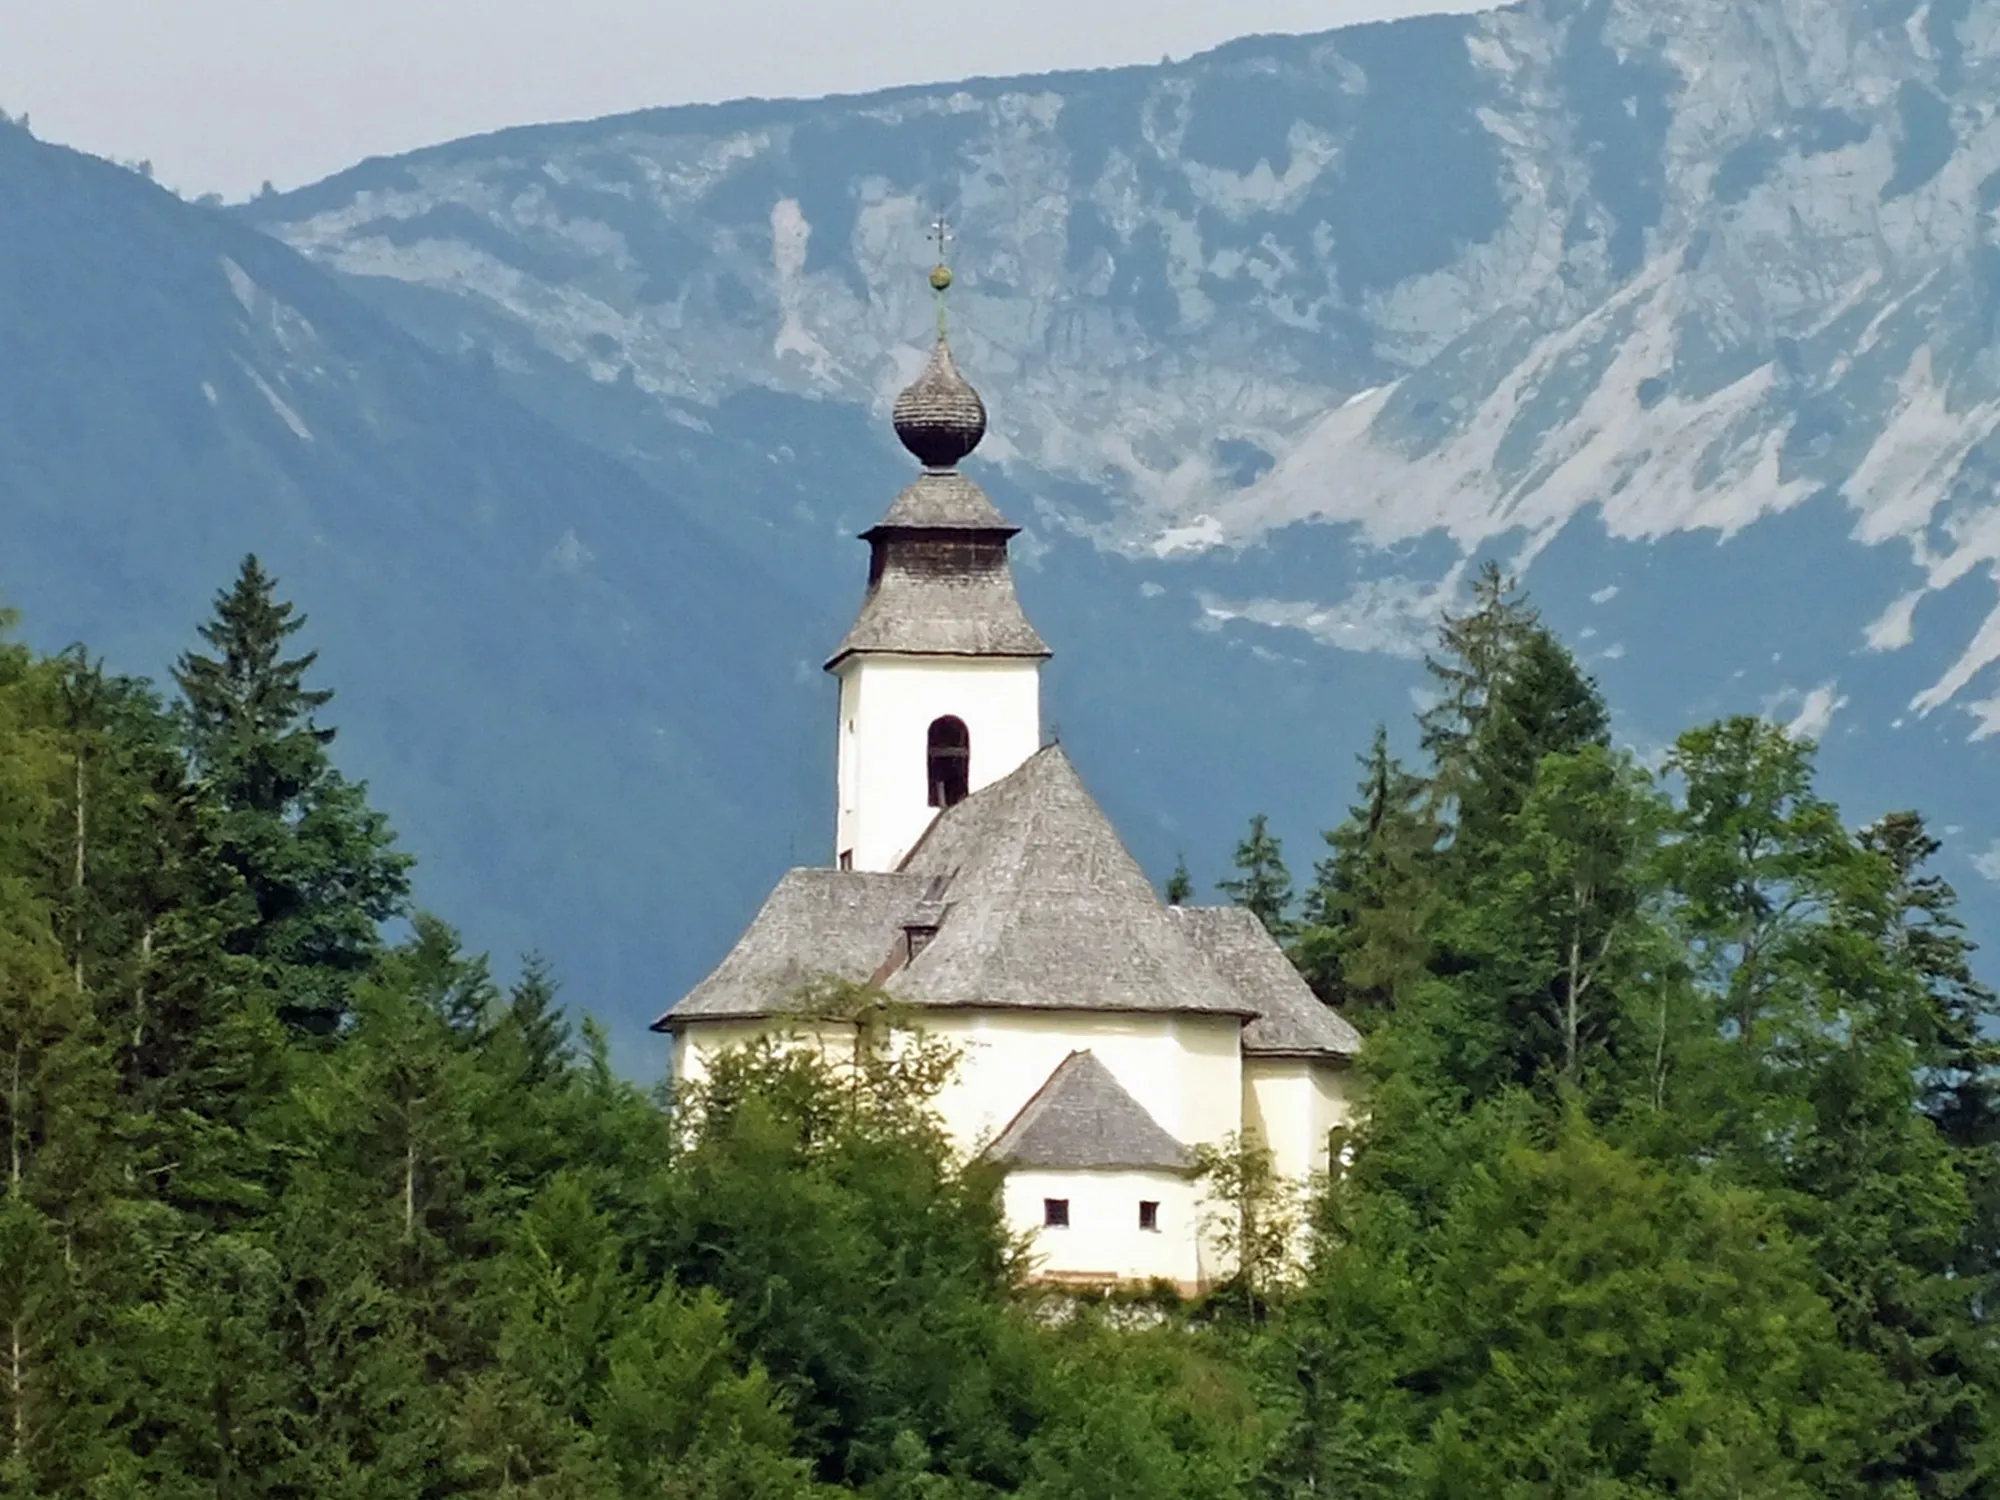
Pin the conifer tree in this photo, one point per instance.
(1367, 914)
(318, 862)
(1475, 650)
(1180, 885)
(536, 1017)
(1557, 933)
(1263, 885)
(1962, 1050)
(393, 1213)
(1541, 705)
(149, 906)
(61, 1236)
(1957, 1043)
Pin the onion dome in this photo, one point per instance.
(940, 418)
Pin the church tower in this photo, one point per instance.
(940, 676)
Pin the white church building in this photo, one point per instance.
(977, 883)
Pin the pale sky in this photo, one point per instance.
(221, 95)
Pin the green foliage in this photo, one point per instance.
(1160, 1413)
(1679, 1170)
(817, 1194)
(1370, 911)
(1579, 1321)
(1262, 885)
(1251, 1216)
(317, 861)
(1474, 652)
(1556, 940)
(1540, 705)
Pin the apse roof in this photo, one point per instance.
(1082, 1119)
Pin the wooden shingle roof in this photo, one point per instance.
(1082, 1120)
(1035, 905)
(1291, 1020)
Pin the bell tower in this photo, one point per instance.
(940, 676)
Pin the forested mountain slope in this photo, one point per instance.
(552, 678)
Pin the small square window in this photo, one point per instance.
(1149, 1215)
(1055, 1213)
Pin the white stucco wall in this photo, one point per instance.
(696, 1044)
(1291, 1103)
(1185, 1070)
(887, 706)
(1104, 1241)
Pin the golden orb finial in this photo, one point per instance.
(941, 277)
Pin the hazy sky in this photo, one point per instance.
(223, 94)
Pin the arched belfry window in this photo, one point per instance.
(950, 761)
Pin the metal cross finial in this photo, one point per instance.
(941, 275)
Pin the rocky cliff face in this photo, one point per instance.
(1681, 267)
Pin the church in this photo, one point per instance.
(1102, 1033)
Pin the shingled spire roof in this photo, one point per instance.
(938, 579)
(1082, 1120)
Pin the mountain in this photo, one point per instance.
(1686, 307)
(555, 683)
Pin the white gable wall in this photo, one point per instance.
(1104, 1242)
(1291, 1103)
(1186, 1070)
(887, 706)
(700, 1041)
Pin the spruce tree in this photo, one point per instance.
(1180, 884)
(63, 1237)
(1264, 885)
(1474, 653)
(1541, 705)
(1956, 1031)
(1962, 1014)
(318, 862)
(534, 1013)
(1368, 911)
(1557, 941)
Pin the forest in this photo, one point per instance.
(1680, 1174)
